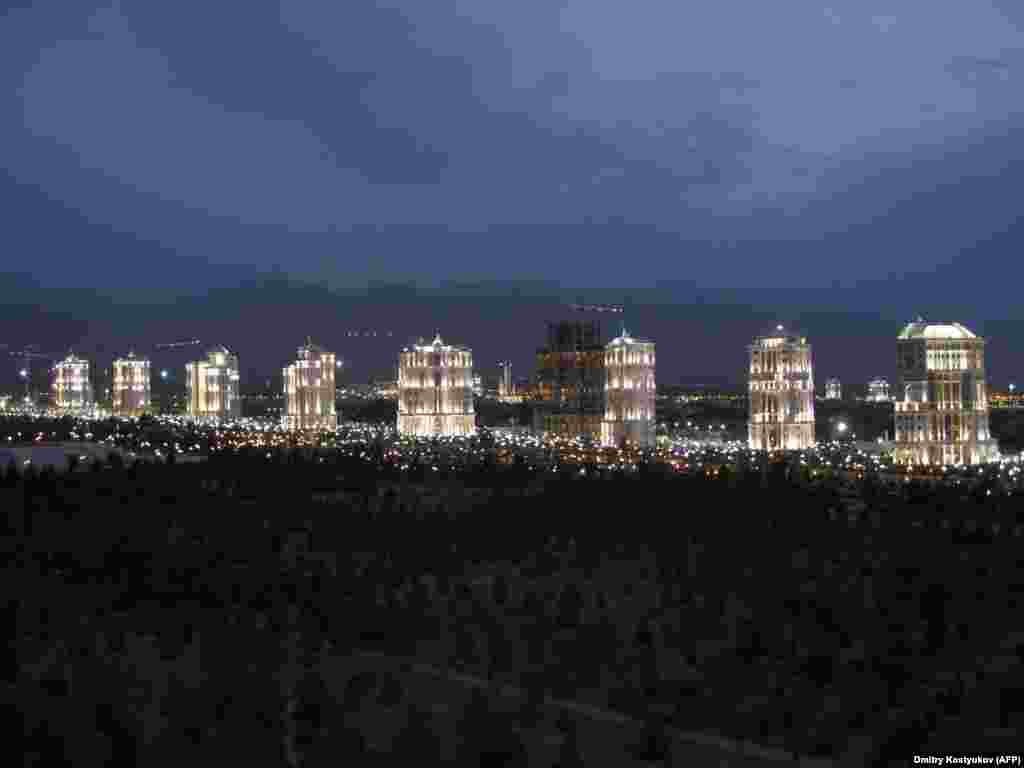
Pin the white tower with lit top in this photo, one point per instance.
(309, 390)
(942, 396)
(781, 393)
(71, 384)
(131, 387)
(212, 386)
(629, 392)
(435, 390)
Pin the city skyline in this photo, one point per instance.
(323, 439)
(262, 319)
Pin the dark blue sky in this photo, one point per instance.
(842, 167)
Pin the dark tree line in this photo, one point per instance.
(161, 612)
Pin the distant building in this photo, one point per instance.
(212, 386)
(130, 390)
(435, 391)
(478, 385)
(878, 391)
(942, 397)
(629, 392)
(71, 383)
(510, 390)
(781, 393)
(571, 381)
(506, 388)
(309, 390)
(833, 390)
(1011, 398)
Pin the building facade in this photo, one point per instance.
(309, 391)
(941, 396)
(130, 386)
(833, 389)
(878, 391)
(506, 388)
(72, 387)
(781, 393)
(212, 386)
(569, 397)
(435, 391)
(629, 392)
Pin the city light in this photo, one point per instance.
(841, 426)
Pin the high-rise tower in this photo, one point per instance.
(435, 390)
(130, 386)
(71, 383)
(781, 393)
(570, 381)
(941, 396)
(629, 392)
(309, 390)
(212, 386)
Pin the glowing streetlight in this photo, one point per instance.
(163, 374)
(841, 426)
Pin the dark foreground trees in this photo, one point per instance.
(160, 613)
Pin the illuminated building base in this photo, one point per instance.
(437, 425)
(782, 437)
(569, 426)
(636, 432)
(932, 453)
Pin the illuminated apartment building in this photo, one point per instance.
(570, 399)
(781, 393)
(833, 390)
(309, 390)
(130, 386)
(878, 391)
(71, 384)
(435, 391)
(212, 386)
(941, 396)
(629, 392)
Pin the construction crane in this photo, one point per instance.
(614, 308)
(178, 344)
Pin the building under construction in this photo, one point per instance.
(569, 396)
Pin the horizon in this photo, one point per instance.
(495, 326)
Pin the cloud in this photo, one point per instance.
(481, 137)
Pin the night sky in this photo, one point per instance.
(253, 172)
